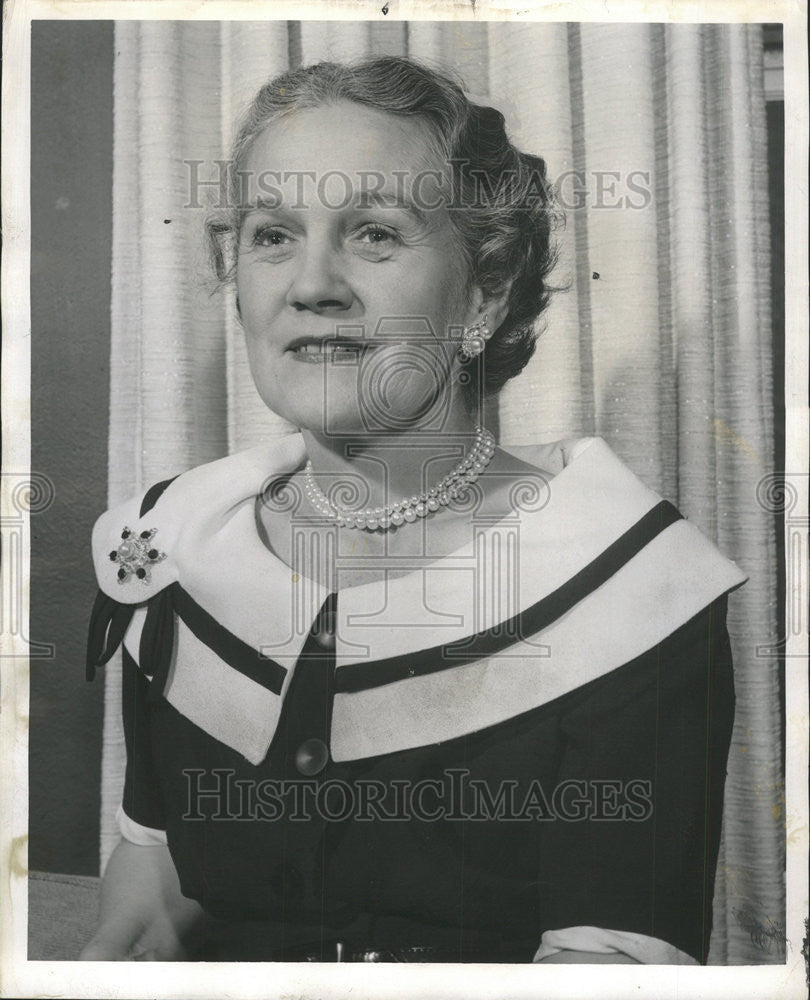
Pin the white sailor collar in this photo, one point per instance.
(503, 578)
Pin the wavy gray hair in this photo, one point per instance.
(503, 208)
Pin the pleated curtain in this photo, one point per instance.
(661, 343)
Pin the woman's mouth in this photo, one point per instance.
(320, 351)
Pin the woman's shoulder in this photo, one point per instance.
(180, 512)
(601, 505)
(242, 473)
(551, 456)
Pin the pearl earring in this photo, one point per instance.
(474, 339)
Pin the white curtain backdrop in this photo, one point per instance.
(662, 344)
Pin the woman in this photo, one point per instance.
(393, 692)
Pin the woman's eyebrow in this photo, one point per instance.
(381, 199)
(364, 200)
(261, 204)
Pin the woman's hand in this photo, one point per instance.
(144, 915)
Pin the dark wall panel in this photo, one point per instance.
(71, 224)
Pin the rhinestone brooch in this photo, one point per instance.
(135, 555)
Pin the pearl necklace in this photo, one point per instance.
(410, 508)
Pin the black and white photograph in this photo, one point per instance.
(404, 501)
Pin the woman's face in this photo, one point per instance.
(339, 239)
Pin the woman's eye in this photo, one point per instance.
(377, 236)
(374, 239)
(267, 236)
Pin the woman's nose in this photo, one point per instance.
(319, 283)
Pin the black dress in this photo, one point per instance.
(525, 741)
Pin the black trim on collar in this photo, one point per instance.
(678, 647)
(353, 677)
(153, 494)
(226, 645)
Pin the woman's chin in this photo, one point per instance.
(350, 425)
(406, 406)
(333, 423)
(353, 417)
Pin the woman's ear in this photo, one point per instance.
(495, 306)
(221, 247)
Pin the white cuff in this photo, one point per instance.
(644, 949)
(135, 833)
